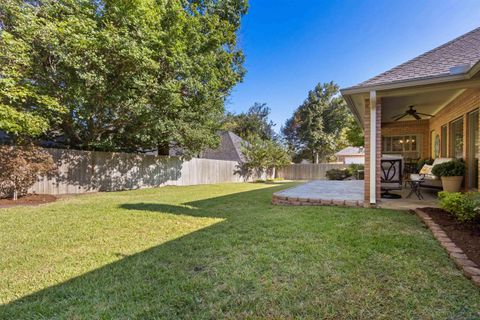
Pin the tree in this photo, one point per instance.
(20, 167)
(251, 124)
(132, 75)
(25, 109)
(354, 134)
(317, 126)
(265, 156)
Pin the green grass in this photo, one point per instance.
(222, 251)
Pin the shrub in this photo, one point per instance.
(274, 179)
(449, 169)
(355, 170)
(264, 156)
(463, 206)
(20, 167)
(338, 174)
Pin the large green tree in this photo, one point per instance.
(354, 134)
(130, 74)
(26, 109)
(317, 127)
(254, 123)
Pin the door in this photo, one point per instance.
(473, 152)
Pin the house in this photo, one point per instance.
(351, 155)
(230, 148)
(425, 107)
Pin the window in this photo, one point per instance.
(400, 144)
(443, 140)
(473, 150)
(456, 138)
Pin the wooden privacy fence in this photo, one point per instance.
(307, 171)
(91, 171)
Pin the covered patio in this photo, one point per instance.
(349, 193)
(424, 109)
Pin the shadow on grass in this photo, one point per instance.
(172, 280)
(265, 261)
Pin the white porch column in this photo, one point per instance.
(373, 147)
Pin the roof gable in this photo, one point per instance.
(230, 148)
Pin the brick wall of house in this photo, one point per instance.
(367, 150)
(465, 103)
(420, 127)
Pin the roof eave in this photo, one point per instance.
(353, 109)
(409, 83)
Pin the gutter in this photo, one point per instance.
(405, 83)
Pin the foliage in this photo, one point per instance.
(422, 162)
(264, 156)
(20, 167)
(338, 174)
(354, 133)
(132, 75)
(463, 206)
(193, 253)
(449, 169)
(355, 170)
(251, 124)
(318, 125)
(25, 109)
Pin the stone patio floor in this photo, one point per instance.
(326, 192)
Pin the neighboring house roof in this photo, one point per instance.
(456, 57)
(351, 151)
(230, 148)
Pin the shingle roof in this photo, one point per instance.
(351, 151)
(230, 148)
(462, 53)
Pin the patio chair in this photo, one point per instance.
(391, 176)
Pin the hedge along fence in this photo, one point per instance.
(92, 171)
(308, 171)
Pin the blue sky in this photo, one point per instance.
(291, 45)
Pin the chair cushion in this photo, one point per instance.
(391, 186)
(415, 176)
(441, 160)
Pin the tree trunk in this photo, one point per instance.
(15, 195)
(316, 158)
(273, 173)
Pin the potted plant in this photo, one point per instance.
(451, 173)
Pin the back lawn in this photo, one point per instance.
(222, 251)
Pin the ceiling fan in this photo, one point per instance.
(411, 112)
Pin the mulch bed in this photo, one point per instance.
(28, 200)
(465, 235)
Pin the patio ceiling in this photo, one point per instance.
(427, 102)
(428, 99)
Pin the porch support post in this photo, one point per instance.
(373, 147)
(372, 121)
